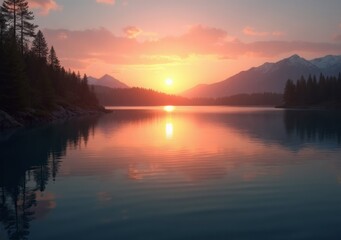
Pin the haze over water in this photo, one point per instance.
(174, 173)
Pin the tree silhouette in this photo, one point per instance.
(327, 90)
(27, 29)
(3, 28)
(39, 46)
(53, 59)
(33, 78)
(10, 10)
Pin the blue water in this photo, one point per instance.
(174, 173)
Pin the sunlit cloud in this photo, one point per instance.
(110, 2)
(102, 45)
(44, 6)
(131, 31)
(135, 32)
(250, 31)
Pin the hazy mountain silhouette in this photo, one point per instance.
(107, 81)
(269, 77)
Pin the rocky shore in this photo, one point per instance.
(33, 117)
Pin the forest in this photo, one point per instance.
(322, 90)
(31, 76)
(148, 97)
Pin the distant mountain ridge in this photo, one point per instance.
(269, 77)
(107, 81)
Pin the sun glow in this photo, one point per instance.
(169, 109)
(169, 82)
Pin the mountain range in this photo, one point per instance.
(107, 81)
(269, 77)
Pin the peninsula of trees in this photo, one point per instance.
(324, 91)
(31, 77)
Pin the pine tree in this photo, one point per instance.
(9, 9)
(39, 46)
(53, 59)
(26, 28)
(13, 80)
(310, 91)
(3, 28)
(289, 93)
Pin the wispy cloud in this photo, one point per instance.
(250, 31)
(44, 6)
(110, 2)
(103, 45)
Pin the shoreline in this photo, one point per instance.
(327, 107)
(31, 117)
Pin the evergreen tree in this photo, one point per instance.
(290, 93)
(34, 78)
(13, 80)
(39, 46)
(310, 91)
(53, 59)
(26, 28)
(3, 28)
(301, 90)
(9, 9)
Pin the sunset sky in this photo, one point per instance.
(145, 42)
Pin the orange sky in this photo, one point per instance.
(144, 42)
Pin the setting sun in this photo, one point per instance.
(169, 82)
(169, 109)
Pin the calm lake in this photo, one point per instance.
(174, 173)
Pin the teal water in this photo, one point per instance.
(174, 173)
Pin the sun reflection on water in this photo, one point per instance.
(169, 130)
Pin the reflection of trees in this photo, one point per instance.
(314, 125)
(29, 159)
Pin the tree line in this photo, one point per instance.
(313, 91)
(148, 97)
(30, 72)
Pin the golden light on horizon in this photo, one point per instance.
(169, 109)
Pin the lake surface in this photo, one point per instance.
(174, 173)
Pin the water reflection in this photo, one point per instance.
(209, 146)
(169, 130)
(29, 160)
(314, 126)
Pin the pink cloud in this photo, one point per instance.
(102, 45)
(110, 2)
(250, 31)
(44, 6)
(131, 31)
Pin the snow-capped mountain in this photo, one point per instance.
(329, 65)
(269, 77)
(107, 81)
